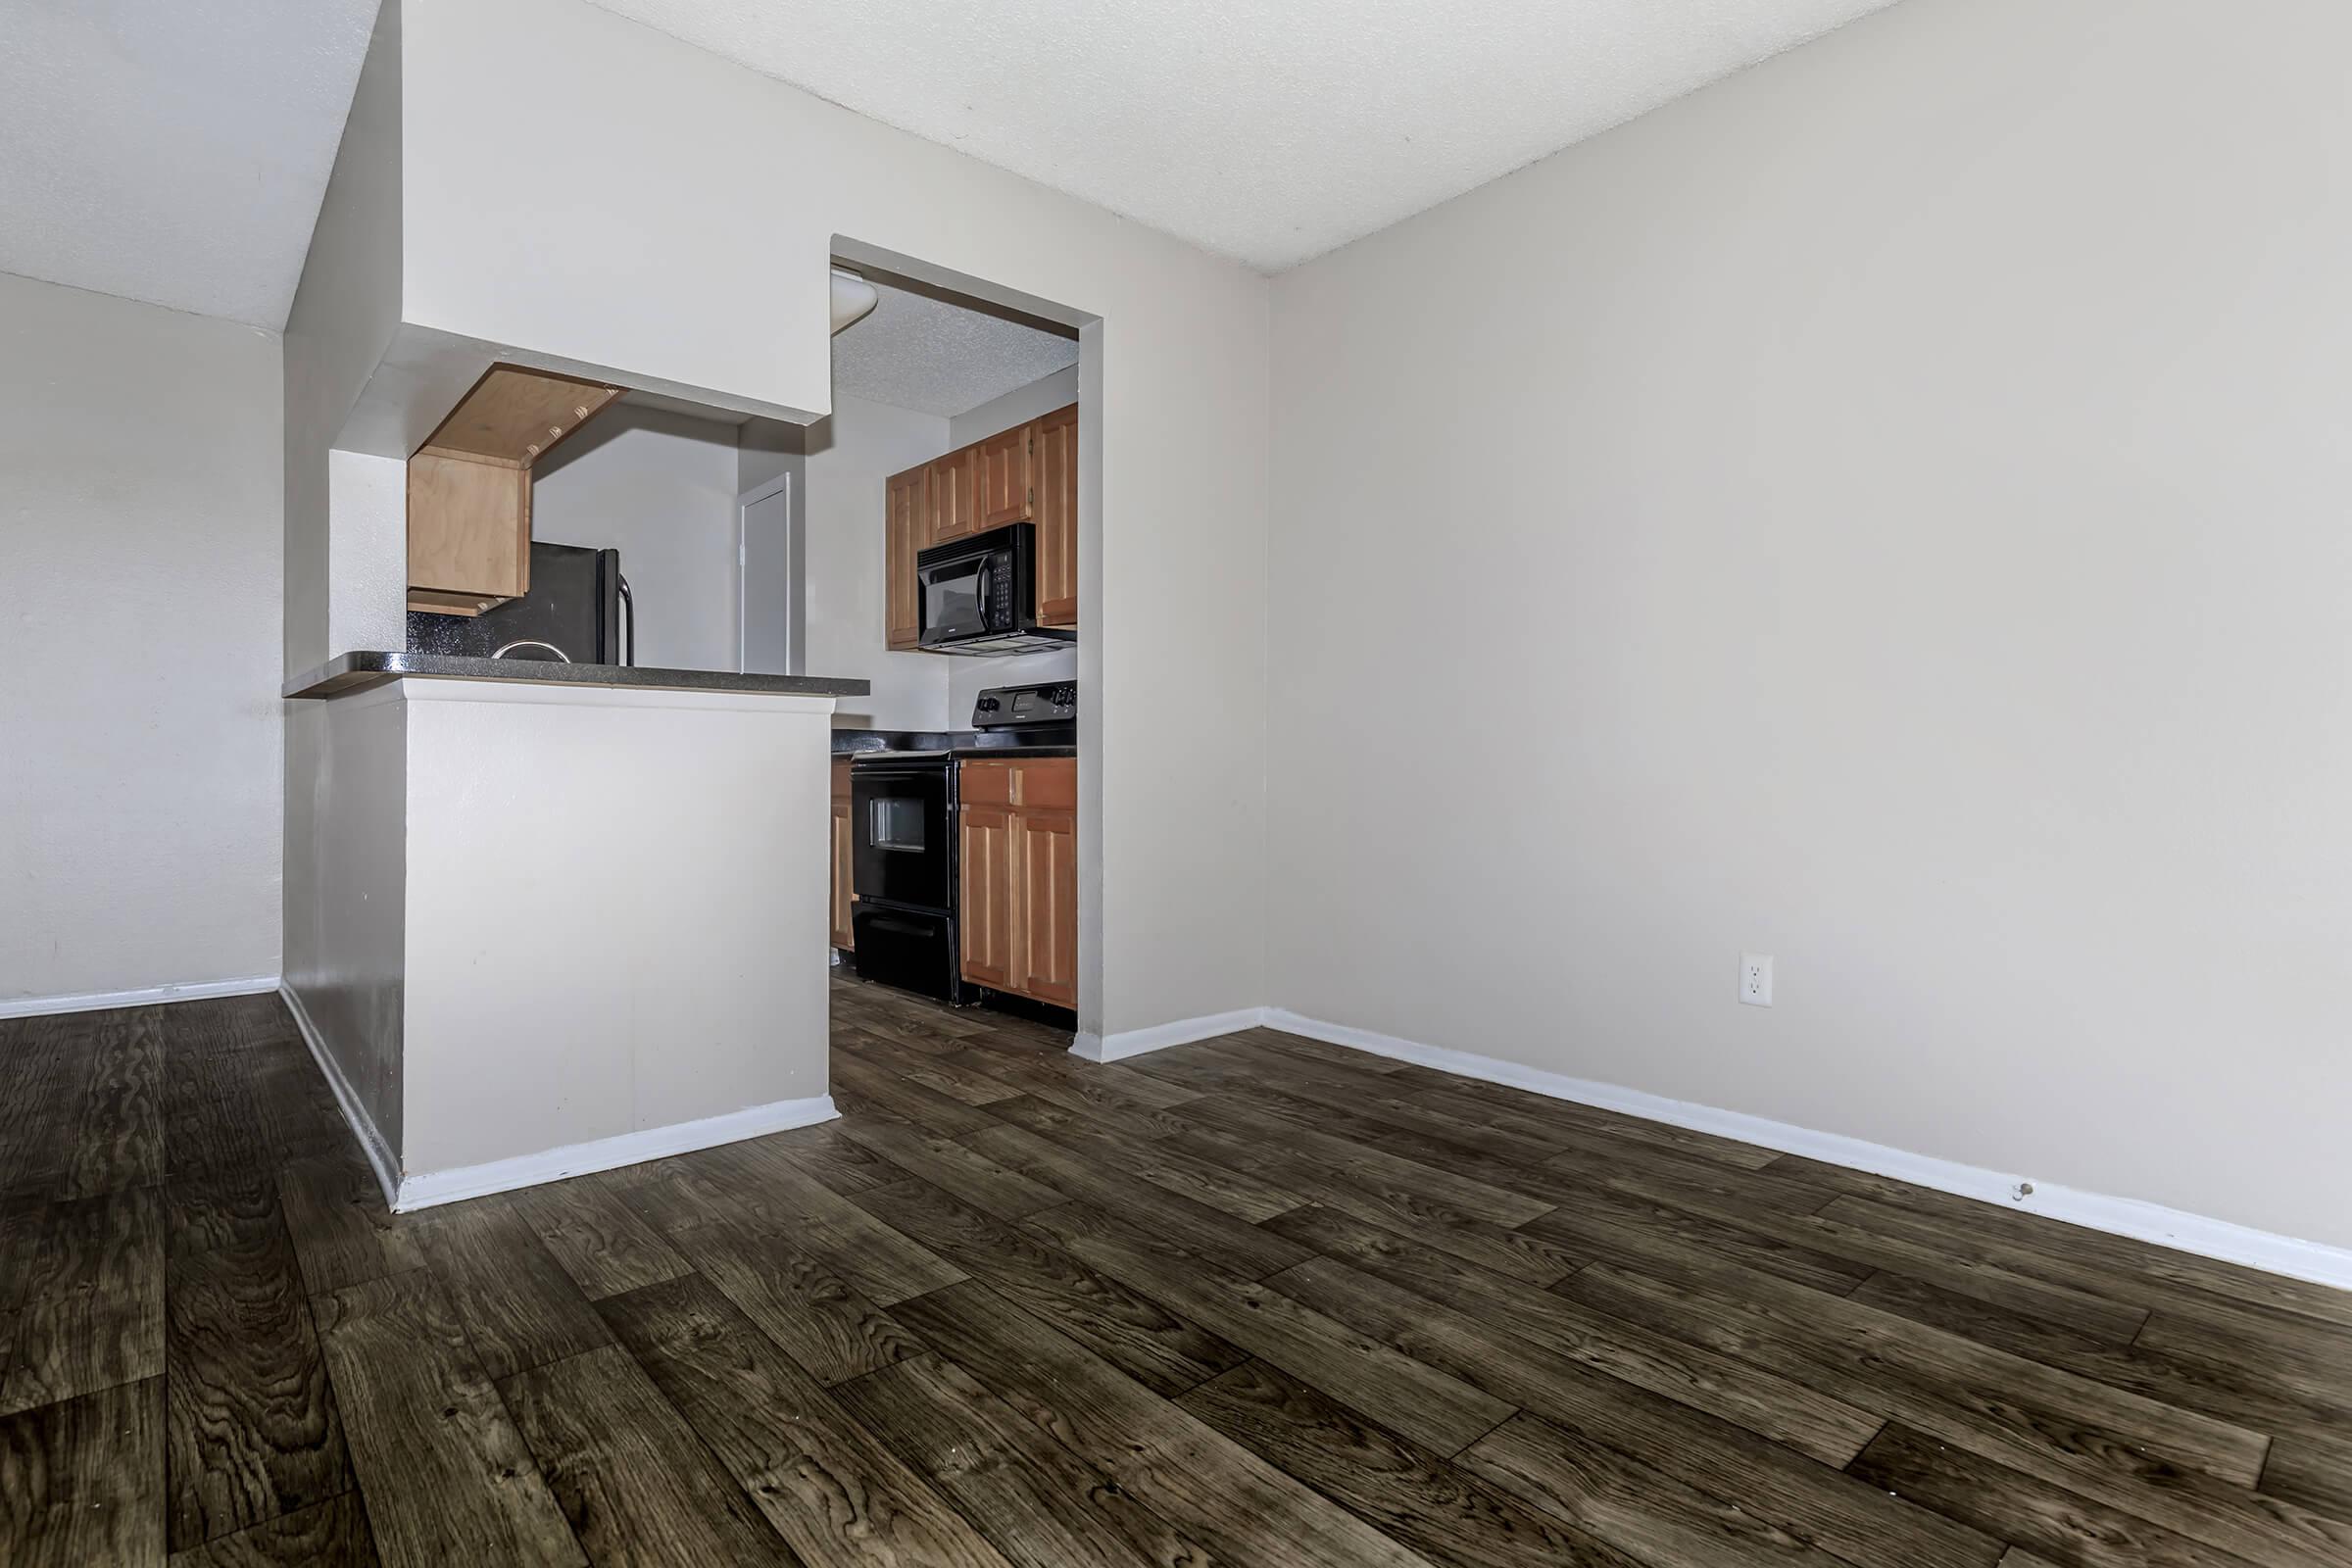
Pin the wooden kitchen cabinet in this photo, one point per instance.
(844, 932)
(985, 905)
(906, 498)
(1019, 897)
(1045, 949)
(953, 496)
(1028, 473)
(469, 534)
(470, 486)
(1007, 476)
(1055, 470)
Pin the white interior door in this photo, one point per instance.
(768, 582)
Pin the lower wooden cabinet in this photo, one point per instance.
(985, 905)
(1018, 842)
(1045, 952)
(844, 934)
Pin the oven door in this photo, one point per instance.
(904, 829)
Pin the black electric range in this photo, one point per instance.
(902, 814)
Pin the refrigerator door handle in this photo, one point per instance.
(629, 625)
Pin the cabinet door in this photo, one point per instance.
(469, 533)
(904, 522)
(1008, 476)
(844, 935)
(954, 507)
(1055, 471)
(1045, 949)
(989, 896)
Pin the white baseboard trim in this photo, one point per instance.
(2230, 1243)
(146, 997)
(428, 1189)
(373, 1143)
(1183, 1032)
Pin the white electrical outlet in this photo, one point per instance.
(1755, 979)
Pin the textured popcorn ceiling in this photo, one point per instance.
(1267, 130)
(172, 151)
(933, 357)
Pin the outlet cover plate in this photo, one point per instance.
(1755, 979)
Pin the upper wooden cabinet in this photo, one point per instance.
(514, 416)
(1006, 470)
(1028, 473)
(906, 501)
(954, 504)
(469, 534)
(470, 486)
(1056, 467)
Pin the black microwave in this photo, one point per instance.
(979, 595)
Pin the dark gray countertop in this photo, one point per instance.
(361, 670)
(970, 753)
(1055, 740)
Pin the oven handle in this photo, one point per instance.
(882, 922)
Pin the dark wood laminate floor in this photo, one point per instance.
(1254, 1300)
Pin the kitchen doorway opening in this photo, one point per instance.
(950, 504)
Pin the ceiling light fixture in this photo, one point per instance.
(853, 297)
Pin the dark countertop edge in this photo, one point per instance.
(358, 670)
(1046, 740)
(971, 752)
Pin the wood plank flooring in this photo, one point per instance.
(1256, 1300)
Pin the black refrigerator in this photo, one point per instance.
(577, 610)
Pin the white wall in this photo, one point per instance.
(345, 314)
(850, 455)
(543, 1008)
(1885, 510)
(139, 524)
(668, 275)
(659, 488)
(969, 677)
(346, 567)
(765, 450)
(353, 994)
